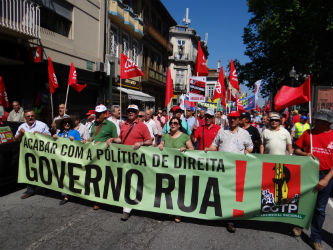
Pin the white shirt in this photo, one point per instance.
(37, 126)
(153, 126)
(83, 131)
(116, 122)
(276, 141)
(238, 142)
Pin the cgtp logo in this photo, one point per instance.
(55, 79)
(280, 188)
(74, 75)
(218, 87)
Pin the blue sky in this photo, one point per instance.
(223, 20)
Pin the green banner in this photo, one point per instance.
(196, 184)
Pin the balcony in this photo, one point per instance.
(124, 15)
(186, 57)
(20, 16)
(157, 76)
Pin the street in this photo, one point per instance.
(40, 223)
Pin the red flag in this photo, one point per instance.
(168, 89)
(231, 96)
(53, 82)
(3, 94)
(257, 107)
(72, 80)
(288, 96)
(128, 68)
(201, 64)
(233, 77)
(220, 89)
(240, 107)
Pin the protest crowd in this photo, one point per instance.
(198, 129)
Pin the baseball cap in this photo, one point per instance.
(234, 114)
(245, 115)
(274, 116)
(100, 109)
(210, 112)
(133, 106)
(176, 108)
(304, 117)
(91, 112)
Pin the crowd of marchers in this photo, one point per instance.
(190, 129)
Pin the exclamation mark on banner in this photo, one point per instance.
(240, 180)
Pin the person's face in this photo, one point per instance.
(202, 113)
(66, 125)
(174, 125)
(141, 116)
(132, 114)
(100, 117)
(116, 113)
(209, 119)
(30, 117)
(218, 114)
(16, 106)
(188, 113)
(178, 113)
(91, 117)
(274, 123)
(242, 122)
(164, 113)
(233, 121)
(264, 120)
(147, 115)
(159, 113)
(61, 109)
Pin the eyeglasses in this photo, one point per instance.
(174, 123)
(274, 120)
(160, 112)
(208, 116)
(140, 116)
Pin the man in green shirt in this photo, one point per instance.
(102, 130)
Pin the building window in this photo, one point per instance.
(210, 90)
(114, 41)
(180, 79)
(126, 45)
(52, 21)
(136, 52)
(181, 48)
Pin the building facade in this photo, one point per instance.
(64, 30)
(182, 61)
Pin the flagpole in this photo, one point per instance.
(310, 118)
(120, 99)
(66, 97)
(52, 116)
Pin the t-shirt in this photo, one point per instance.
(72, 132)
(203, 134)
(322, 147)
(238, 142)
(276, 141)
(201, 121)
(103, 132)
(139, 133)
(296, 118)
(255, 136)
(179, 142)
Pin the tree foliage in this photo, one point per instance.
(287, 33)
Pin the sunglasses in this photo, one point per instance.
(208, 116)
(274, 120)
(140, 116)
(174, 123)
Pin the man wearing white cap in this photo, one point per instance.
(275, 139)
(135, 133)
(322, 148)
(102, 130)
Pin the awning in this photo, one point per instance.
(137, 95)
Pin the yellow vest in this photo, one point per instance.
(300, 129)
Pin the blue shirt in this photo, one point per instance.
(191, 121)
(72, 132)
(185, 128)
(38, 126)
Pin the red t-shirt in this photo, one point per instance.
(208, 134)
(296, 118)
(322, 147)
(201, 121)
(139, 133)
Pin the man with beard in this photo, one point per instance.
(32, 126)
